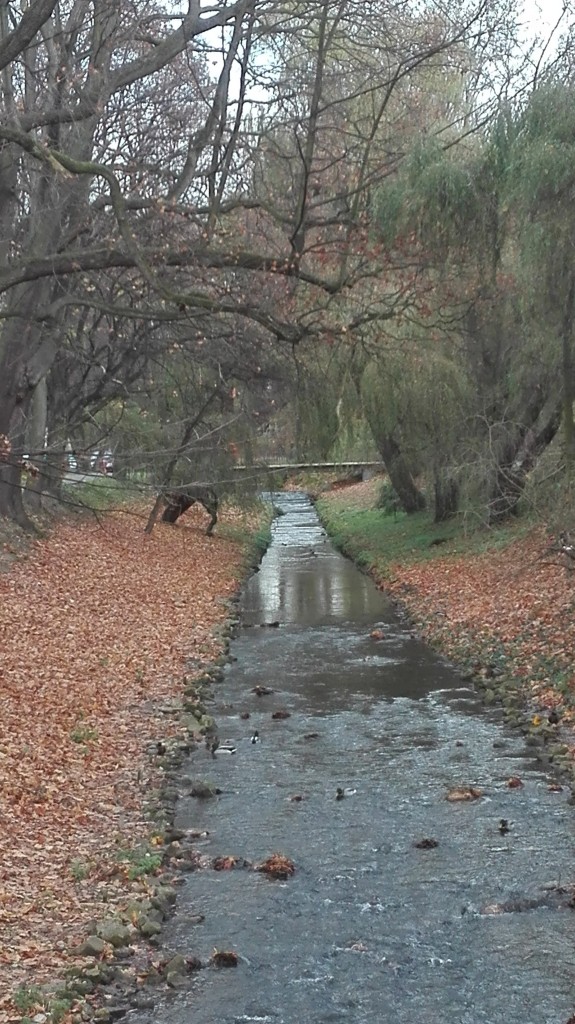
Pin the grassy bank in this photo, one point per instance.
(379, 541)
(498, 603)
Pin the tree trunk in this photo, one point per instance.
(166, 480)
(509, 486)
(446, 490)
(11, 504)
(516, 463)
(411, 498)
(35, 446)
(25, 356)
(568, 390)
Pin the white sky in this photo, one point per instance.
(542, 15)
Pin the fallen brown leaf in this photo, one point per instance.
(461, 793)
(224, 958)
(514, 782)
(277, 866)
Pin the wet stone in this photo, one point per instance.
(114, 932)
(93, 946)
(149, 927)
(203, 790)
(189, 722)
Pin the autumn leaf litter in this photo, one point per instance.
(96, 627)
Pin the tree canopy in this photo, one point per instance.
(208, 214)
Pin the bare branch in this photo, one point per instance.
(35, 15)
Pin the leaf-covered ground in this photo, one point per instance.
(96, 626)
(513, 608)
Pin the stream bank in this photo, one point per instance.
(98, 625)
(405, 903)
(499, 605)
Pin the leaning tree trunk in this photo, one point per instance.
(169, 470)
(510, 480)
(517, 461)
(399, 473)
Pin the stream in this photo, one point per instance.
(370, 928)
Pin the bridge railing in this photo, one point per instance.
(270, 467)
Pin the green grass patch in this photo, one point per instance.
(79, 869)
(83, 734)
(375, 539)
(140, 861)
(32, 1000)
(28, 998)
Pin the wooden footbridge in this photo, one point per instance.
(362, 469)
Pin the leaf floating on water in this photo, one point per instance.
(296, 798)
(277, 866)
(224, 958)
(514, 782)
(377, 634)
(426, 844)
(461, 793)
(262, 691)
(311, 735)
(282, 713)
(556, 787)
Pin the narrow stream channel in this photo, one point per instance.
(370, 928)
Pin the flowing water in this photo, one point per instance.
(370, 928)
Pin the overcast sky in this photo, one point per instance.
(543, 14)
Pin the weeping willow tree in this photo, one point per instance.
(389, 400)
(445, 403)
(330, 421)
(417, 402)
(475, 222)
(316, 415)
(445, 201)
(541, 186)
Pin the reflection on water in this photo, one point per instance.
(371, 929)
(302, 578)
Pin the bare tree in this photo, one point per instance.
(224, 160)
